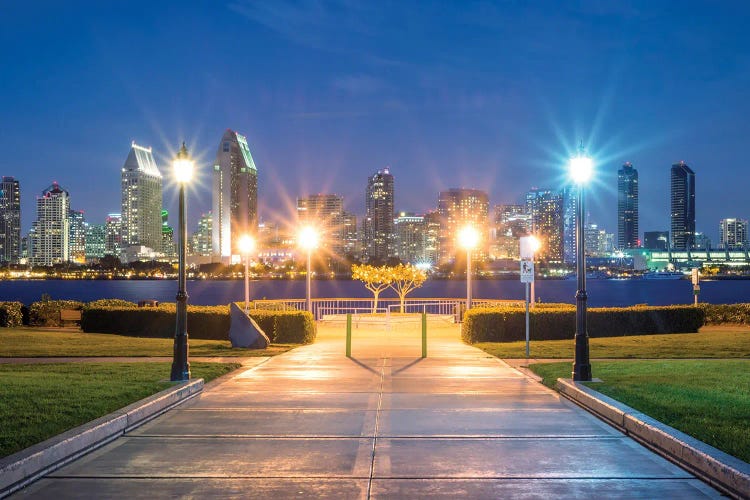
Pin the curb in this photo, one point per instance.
(723, 471)
(26, 466)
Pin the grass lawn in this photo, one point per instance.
(707, 399)
(42, 342)
(715, 341)
(40, 401)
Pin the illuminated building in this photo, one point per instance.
(113, 235)
(235, 196)
(168, 248)
(201, 238)
(378, 232)
(410, 237)
(627, 207)
(570, 200)
(458, 208)
(10, 220)
(141, 200)
(50, 231)
(350, 235)
(733, 234)
(656, 240)
(682, 213)
(77, 237)
(96, 237)
(546, 209)
(510, 223)
(324, 212)
(432, 237)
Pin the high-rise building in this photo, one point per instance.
(141, 200)
(570, 202)
(350, 235)
(235, 195)
(10, 220)
(458, 208)
(510, 223)
(627, 207)
(546, 209)
(77, 239)
(325, 212)
(656, 240)
(733, 234)
(378, 228)
(50, 231)
(201, 238)
(113, 235)
(96, 237)
(410, 237)
(682, 211)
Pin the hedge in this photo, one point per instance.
(47, 312)
(509, 324)
(203, 322)
(11, 314)
(726, 313)
(285, 326)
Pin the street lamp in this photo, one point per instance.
(308, 239)
(468, 237)
(183, 171)
(246, 244)
(581, 168)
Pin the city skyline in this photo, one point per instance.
(469, 108)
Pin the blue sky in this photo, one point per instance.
(491, 95)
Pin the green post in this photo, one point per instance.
(424, 335)
(349, 335)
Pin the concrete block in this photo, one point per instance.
(244, 331)
(603, 406)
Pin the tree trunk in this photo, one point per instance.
(375, 301)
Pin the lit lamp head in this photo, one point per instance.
(581, 168)
(246, 244)
(468, 237)
(308, 238)
(530, 245)
(183, 165)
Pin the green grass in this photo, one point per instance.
(40, 401)
(707, 399)
(41, 342)
(711, 342)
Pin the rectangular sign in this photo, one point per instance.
(696, 276)
(527, 271)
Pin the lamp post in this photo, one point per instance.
(308, 239)
(580, 171)
(246, 244)
(468, 237)
(183, 171)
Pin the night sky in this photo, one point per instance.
(489, 95)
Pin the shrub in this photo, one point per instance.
(265, 320)
(726, 313)
(46, 312)
(11, 314)
(294, 327)
(111, 303)
(508, 324)
(203, 322)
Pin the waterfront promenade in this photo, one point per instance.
(385, 424)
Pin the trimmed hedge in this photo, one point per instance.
(509, 324)
(726, 313)
(11, 314)
(47, 312)
(203, 322)
(111, 302)
(285, 326)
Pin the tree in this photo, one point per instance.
(376, 279)
(405, 279)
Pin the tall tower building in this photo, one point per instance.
(458, 208)
(141, 200)
(201, 238)
(627, 207)
(50, 231)
(352, 246)
(10, 220)
(682, 211)
(326, 213)
(113, 235)
(546, 209)
(410, 237)
(570, 202)
(77, 238)
(733, 234)
(96, 235)
(379, 237)
(235, 195)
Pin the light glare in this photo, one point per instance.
(468, 237)
(581, 168)
(183, 170)
(308, 238)
(246, 244)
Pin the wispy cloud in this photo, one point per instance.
(359, 84)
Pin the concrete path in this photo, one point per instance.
(386, 424)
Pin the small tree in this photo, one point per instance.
(404, 279)
(376, 279)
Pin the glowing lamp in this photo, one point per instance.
(468, 237)
(581, 168)
(308, 238)
(246, 244)
(183, 165)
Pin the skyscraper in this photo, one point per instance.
(10, 220)
(458, 208)
(77, 239)
(656, 240)
(50, 231)
(113, 235)
(627, 207)
(235, 195)
(378, 224)
(733, 234)
(96, 237)
(201, 238)
(141, 200)
(546, 209)
(682, 212)
(410, 237)
(326, 213)
(570, 202)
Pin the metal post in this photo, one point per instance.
(468, 279)
(527, 320)
(349, 335)
(581, 365)
(180, 365)
(309, 297)
(533, 295)
(247, 284)
(424, 335)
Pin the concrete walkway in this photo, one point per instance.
(386, 424)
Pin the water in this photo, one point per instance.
(601, 292)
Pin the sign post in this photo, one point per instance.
(696, 285)
(527, 277)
